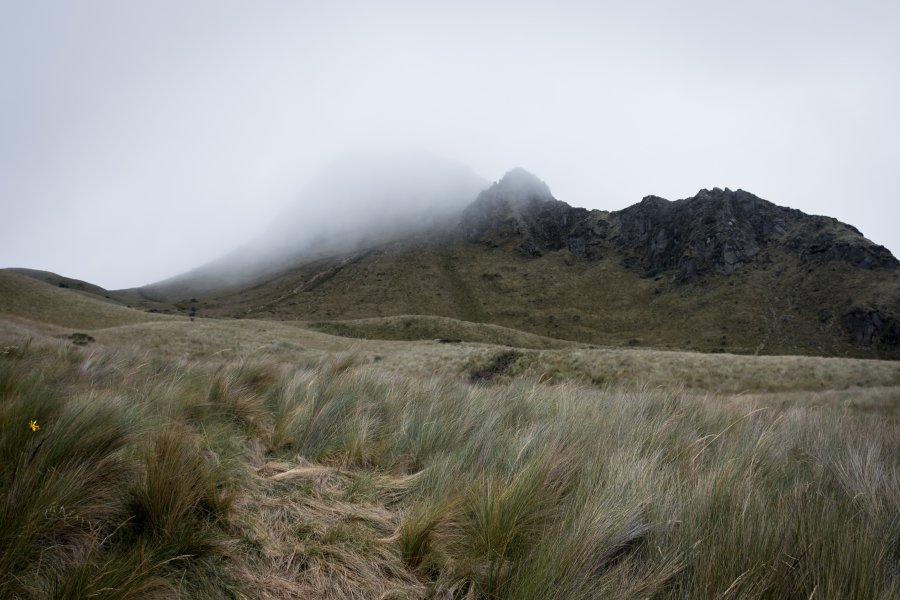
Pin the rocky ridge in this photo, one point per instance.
(715, 232)
(721, 271)
(720, 231)
(521, 206)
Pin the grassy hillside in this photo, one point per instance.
(152, 477)
(250, 458)
(723, 271)
(27, 297)
(64, 282)
(442, 329)
(253, 458)
(770, 307)
(286, 343)
(131, 298)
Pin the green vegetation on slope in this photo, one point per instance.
(772, 306)
(443, 329)
(61, 281)
(151, 478)
(287, 343)
(26, 297)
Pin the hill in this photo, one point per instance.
(357, 201)
(64, 282)
(222, 458)
(722, 271)
(48, 298)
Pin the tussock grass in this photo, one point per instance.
(153, 478)
(442, 329)
(107, 496)
(175, 498)
(285, 344)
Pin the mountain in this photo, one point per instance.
(720, 271)
(356, 202)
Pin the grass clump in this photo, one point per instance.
(498, 365)
(155, 479)
(175, 500)
(100, 495)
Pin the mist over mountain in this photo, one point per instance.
(257, 341)
(723, 270)
(358, 201)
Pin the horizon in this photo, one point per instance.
(144, 140)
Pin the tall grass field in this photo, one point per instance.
(124, 476)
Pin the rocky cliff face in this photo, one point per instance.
(720, 231)
(714, 233)
(870, 327)
(521, 207)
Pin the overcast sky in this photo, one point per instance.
(139, 139)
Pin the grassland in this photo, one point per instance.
(331, 479)
(442, 329)
(214, 458)
(24, 296)
(774, 306)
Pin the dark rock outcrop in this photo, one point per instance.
(498, 213)
(824, 239)
(714, 233)
(521, 206)
(717, 231)
(720, 231)
(868, 327)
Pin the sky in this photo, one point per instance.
(141, 139)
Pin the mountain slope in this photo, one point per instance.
(357, 202)
(722, 271)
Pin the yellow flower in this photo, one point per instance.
(33, 424)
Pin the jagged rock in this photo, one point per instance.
(715, 231)
(827, 239)
(868, 327)
(498, 213)
(720, 231)
(521, 205)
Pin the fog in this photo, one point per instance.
(357, 202)
(139, 140)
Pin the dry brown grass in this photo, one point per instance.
(775, 305)
(28, 298)
(443, 329)
(346, 479)
(290, 343)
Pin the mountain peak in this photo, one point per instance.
(703, 272)
(521, 206)
(520, 186)
(358, 200)
(507, 208)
